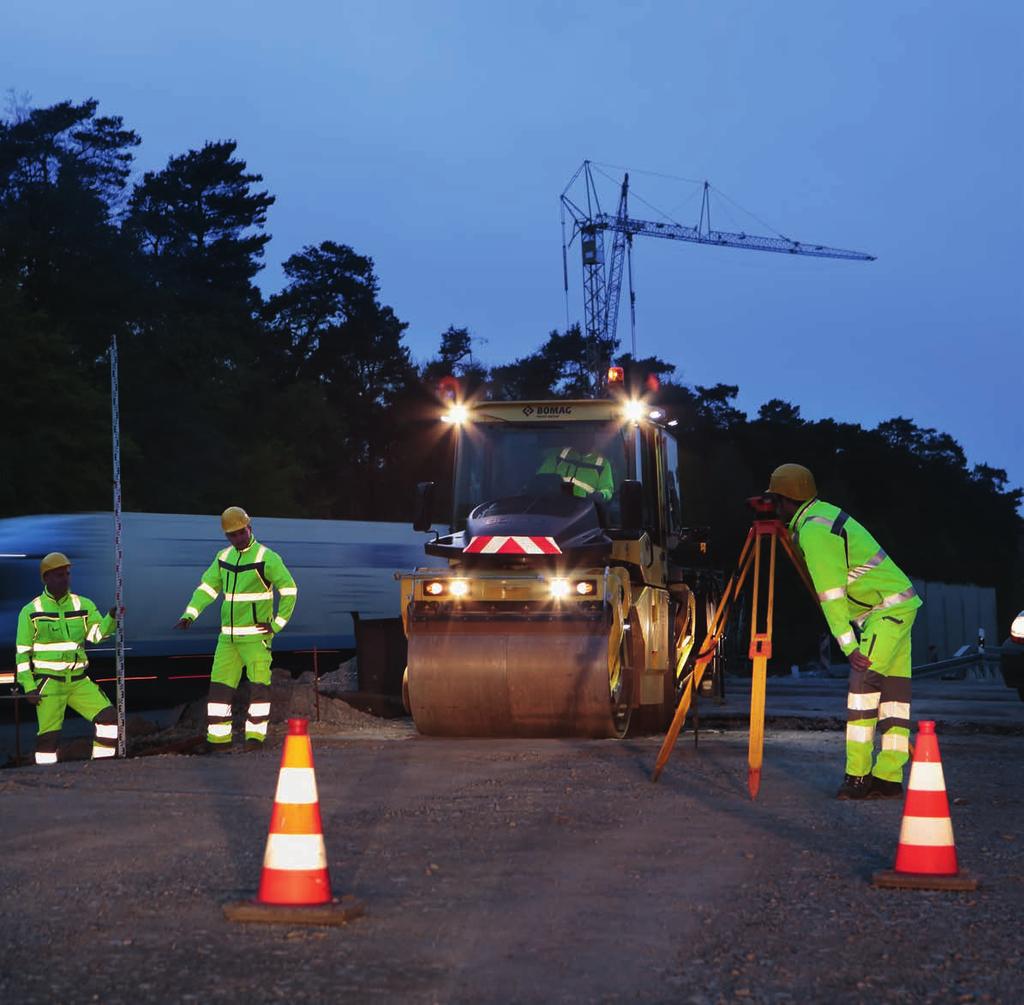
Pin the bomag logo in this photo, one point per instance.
(547, 411)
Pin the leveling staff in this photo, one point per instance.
(870, 607)
(247, 573)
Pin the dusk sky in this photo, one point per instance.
(436, 137)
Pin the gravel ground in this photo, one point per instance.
(509, 871)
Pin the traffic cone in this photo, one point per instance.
(295, 886)
(926, 853)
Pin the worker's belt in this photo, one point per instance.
(67, 678)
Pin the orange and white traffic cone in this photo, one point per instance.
(926, 853)
(295, 886)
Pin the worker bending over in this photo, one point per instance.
(247, 573)
(870, 606)
(51, 661)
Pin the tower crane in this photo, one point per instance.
(602, 281)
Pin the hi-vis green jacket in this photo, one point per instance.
(586, 472)
(852, 575)
(52, 636)
(248, 579)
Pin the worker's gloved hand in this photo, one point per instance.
(266, 628)
(33, 697)
(183, 623)
(859, 662)
(114, 612)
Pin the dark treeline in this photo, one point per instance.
(306, 403)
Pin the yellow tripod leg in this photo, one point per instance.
(755, 754)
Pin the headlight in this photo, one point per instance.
(435, 588)
(1017, 628)
(585, 587)
(559, 587)
(458, 587)
(634, 410)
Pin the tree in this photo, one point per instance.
(201, 221)
(338, 341)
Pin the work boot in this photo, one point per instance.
(882, 789)
(854, 787)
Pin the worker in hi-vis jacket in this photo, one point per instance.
(870, 606)
(247, 573)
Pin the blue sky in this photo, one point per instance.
(436, 137)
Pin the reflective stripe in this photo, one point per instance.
(45, 758)
(846, 639)
(223, 556)
(859, 734)
(582, 485)
(260, 553)
(24, 649)
(894, 710)
(295, 852)
(820, 519)
(37, 603)
(219, 729)
(280, 622)
(55, 647)
(94, 634)
(895, 598)
(925, 776)
(6, 678)
(932, 832)
(897, 741)
(259, 708)
(863, 702)
(218, 709)
(207, 589)
(288, 591)
(837, 593)
(191, 612)
(76, 602)
(108, 731)
(862, 570)
(248, 597)
(48, 665)
(296, 785)
(258, 728)
(99, 751)
(252, 630)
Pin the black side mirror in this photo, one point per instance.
(631, 504)
(423, 513)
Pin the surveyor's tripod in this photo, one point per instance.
(766, 531)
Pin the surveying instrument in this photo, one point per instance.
(758, 555)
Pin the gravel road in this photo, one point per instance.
(509, 871)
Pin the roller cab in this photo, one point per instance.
(559, 612)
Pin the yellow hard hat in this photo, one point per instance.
(234, 518)
(55, 560)
(793, 481)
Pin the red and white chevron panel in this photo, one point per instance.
(515, 545)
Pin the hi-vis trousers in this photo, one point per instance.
(229, 659)
(881, 695)
(86, 698)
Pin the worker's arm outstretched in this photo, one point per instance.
(206, 593)
(281, 579)
(605, 482)
(825, 555)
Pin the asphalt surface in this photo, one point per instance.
(510, 871)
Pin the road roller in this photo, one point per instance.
(561, 610)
